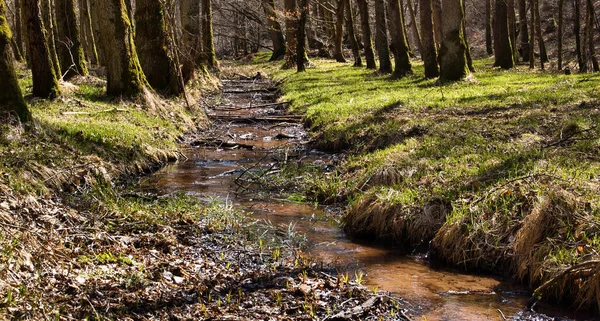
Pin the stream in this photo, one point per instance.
(252, 132)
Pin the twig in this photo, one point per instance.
(502, 314)
(110, 110)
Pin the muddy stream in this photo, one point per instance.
(252, 132)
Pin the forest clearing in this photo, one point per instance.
(222, 160)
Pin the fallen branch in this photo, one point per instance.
(245, 119)
(111, 110)
(253, 107)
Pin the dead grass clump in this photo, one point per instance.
(378, 214)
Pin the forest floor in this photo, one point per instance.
(496, 173)
(79, 242)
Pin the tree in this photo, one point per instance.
(338, 52)
(190, 41)
(11, 98)
(291, 27)
(363, 6)
(577, 32)
(87, 36)
(351, 34)
(70, 51)
(49, 27)
(512, 25)
(504, 54)
(381, 39)
(154, 48)
(531, 35)
(538, 32)
(274, 27)
(400, 45)
(453, 58)
(208, 55)
(124, 73)
(18, 27)
(523, 31)
(437, 21)
(300, 49)
(589, 30)
(488, 28)
(560, 35)
(429, 53)
(45, 84)
(415, 27)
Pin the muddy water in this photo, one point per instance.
(212, 170)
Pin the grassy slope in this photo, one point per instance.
(501, 172)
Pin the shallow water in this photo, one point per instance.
(441, 294)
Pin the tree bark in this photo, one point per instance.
(531, 34)
(87, 36)
(352, 34)
(18, 28)
(209, 55)
(70, 51)
(589, 26)
(154, 47)
(523, 31)
(466, 40)
(381, 39)
(415, 26)
(437, 22)
(504, 55)
(366, 33)
(275, 31)
(11, 98)
(512, 25)
(190, 40)
(401, 57)
(488, 28)
(453, 58)
(291, 29)
(429, 53)
(577, 32)
(49, 26)
(338, 52)
(301, 37)
(45, 84)
(540, 38)
(560, 35)
(124, 73)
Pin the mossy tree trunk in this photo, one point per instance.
(291, 29)
(504, 55)
(275, 30)
(45, 84)
(11, 98)
(453, 58)
(209, 55)
(124, 73)
(381, 39)
(87, 36)
(429, 53)
(70, 51)
(363, 6)
(352, 34)
(48, 20)
(401, 58)
(415, 26)
(531, 35)
(96, 30)
(489, 47)
(589, 28)
(338, 51)
(577, 32)
(538, 32)
(512, 27)
(560, 35)
(301, 36)
(466, 40)
(523, 31)
(15, 49)
(154, 47)
(437, 22)
(190, 40)
(18, 27)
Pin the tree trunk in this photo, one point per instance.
(531, 34)
(366, 33)
(70, 51)
(338, 52)
(403, 15)
(577, 31)
(45, 84)
(415, 26)
(190, 40)
(124, 73)
(429, 53)
(437, 22)
(488, 28)
(274, 30)
(154, 47)
(15, 49)
(352, 34)
(589, 26)
(208, 56)
(11, 98)
(381, 39)
(87, 36)
(512, 25)
(504, 55)
(466, 40)
(453, 58)
(49, 26)
(560, 35)
(291, 29)
(540, 38)
(401, 59)
(18, 28)
(301, 37)
(523, 31)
